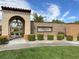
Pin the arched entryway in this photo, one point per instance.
(16, 27)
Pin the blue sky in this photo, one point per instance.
(68, 9)
(65, 10)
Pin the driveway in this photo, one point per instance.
(21, 43)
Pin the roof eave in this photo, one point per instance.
(15, 9)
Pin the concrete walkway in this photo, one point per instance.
(21, 43)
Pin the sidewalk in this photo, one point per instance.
(21, 43)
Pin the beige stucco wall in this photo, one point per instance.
(7, 14)
(55, 27)
(72, 29)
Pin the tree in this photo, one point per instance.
(38, 18)
(57, 21)
(76, 21)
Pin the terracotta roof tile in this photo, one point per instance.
(15, 9)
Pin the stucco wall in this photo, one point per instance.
(69, 28)
(72, 29)
(55, 27)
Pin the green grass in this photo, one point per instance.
(55, 52)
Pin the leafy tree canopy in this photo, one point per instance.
(76, 21)
(57, 21)
(37, 18)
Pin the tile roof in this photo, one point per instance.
(15, 9)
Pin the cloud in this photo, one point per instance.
(14, 3)
(66, 13)
(69, 18)
(72, 17)
(54, 10)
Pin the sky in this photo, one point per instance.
(64, 10)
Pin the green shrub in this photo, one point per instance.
(60, 33)
(12, 33)
(40, 37)
(3, 40)
(60, 36)
(31, 37)
(78, 38)
(22, 34)
(69, 38)
(50, 37)
(17, 33)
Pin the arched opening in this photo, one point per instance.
(16, 27)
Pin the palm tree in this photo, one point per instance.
(37, 18)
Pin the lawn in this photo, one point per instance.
(54, 52)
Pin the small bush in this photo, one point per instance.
(31, 37)
(12, 33)
(60, 36)
(69, 38)
(40, 37)
(17, 33)
(3, 40)
(50, 37)
(22, 34)
(78, 38)
(60, 33)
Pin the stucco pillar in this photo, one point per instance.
(5, 27)
(27, 26)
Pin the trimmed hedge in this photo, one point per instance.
(78, 38)
(31, 37)
(40, 37)
(60, 33)
(60, 36)
(12, 33)
(22, 34)
(3, 40)
(50, 37)
(17, 33)
(69, 38)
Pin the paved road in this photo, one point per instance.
(21, 43)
